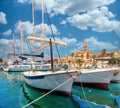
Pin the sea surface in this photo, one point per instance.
(15, 93)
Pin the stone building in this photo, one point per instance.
(85, 58)
(108, 59)
(117, 54)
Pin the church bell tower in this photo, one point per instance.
(85, 48)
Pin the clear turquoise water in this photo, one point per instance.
(14, 93)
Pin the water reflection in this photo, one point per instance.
(115, 88)
(100, 97)
(11, 94)
(49, 101)
(15, 94)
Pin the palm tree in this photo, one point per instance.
(103, 51)
(69, 61)
(94, 57)
(72, 54)
(79, 61)
(1, 60)
(112, 61)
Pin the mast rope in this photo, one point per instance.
(52, 32)
(75, 75)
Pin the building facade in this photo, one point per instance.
(84, 58)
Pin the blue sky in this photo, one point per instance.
(97, 21)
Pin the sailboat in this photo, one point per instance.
(60, 80)
(57, 81)
(95, 78)
(26, 63)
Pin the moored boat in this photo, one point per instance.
(55, 80)
(27, 67)
(95, 78)
(59, 81)
(50, 80)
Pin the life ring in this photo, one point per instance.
(115, 72)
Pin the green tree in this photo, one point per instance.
(72, 54)
(69, 61)
(1, 60)
(79, 61)
(103, 51)
(94, 57)
(112, 55)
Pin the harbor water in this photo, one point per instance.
(14, 93)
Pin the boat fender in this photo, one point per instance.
(76, 76)
(115, 72)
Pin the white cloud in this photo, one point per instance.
(100, 20)
(4, 41)
(28, 28)
(47, 30)
(69, 6)
(95, 44)
(75, 6)
(23, 1)
(63, 22)
(3, 18)
(71, 45)
(69, 40)
(7, 33)
(117, 28)
(5, 49)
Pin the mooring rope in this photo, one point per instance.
(52, 90)
(84, 92)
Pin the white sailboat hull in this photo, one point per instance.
(50, 80)
(22, 68)
(17, 68)
(96, 78)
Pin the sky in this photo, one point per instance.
(72, 21)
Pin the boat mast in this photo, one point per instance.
(22, 36)
(50, 42)
(51, 54)
(33, 25)
(43, 19)
(43, 29)
(14, 47)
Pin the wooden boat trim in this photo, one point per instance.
(45, 40)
